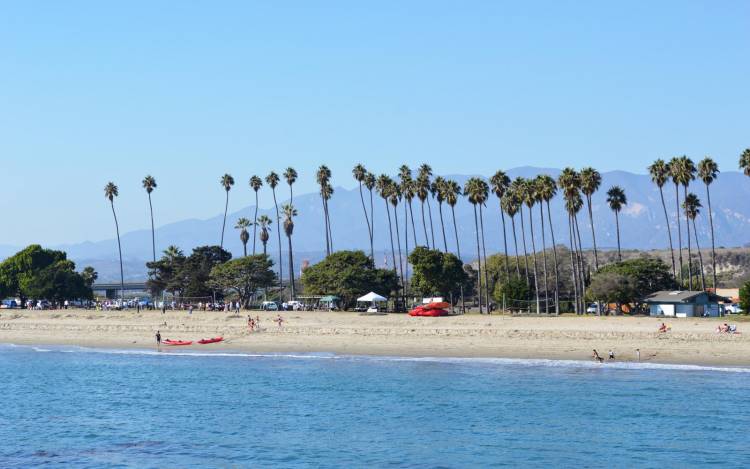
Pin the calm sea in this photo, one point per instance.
(77, 407)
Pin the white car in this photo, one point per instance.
(593, 308)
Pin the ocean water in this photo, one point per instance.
(75, 407)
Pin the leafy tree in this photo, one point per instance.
(164, 273)
(649, 274)
(745, 297)
(437, 273)
(348, 274)
(193, 274)
(89, 276)
(514, 292)
(243, 276)
(613, 287)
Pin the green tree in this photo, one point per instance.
(255, 184)
(745, 295)
(149, 183)
(348, 275)
(613, 287)
(164, 274)
(90, 275)
(227, 181)
(243, 276)
(437, 273)
(649, 275)
(195, 270)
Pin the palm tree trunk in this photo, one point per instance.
(523, 240)
(390, 230)
(573, 263)
(593, 234)
(119, 250)
(505, 244)
(554, 253)
(413, 226)
(367, 220)
(690, 254)
(244, 249)
(669, 231)
(533, 250)
(264, 247)
(679, 232)
(223, 226)
(255, 223)
(515, 244)
(424, 226)
(582, 266)
(400, 263)
(291, 269)
(700, 256)
(278, 235)
(442, 227)
(432, 228)
(617, 225)
(458, 251)
(328, 224)
(479, 260)
(325, 225)
(544, 259)
(406, 246)
(153, 233)
(372, 228)
(713, 247)
(484, 256)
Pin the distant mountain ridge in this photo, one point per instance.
(642, 223)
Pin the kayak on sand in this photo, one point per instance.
(177, 342)
(211, 341)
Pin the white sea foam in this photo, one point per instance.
(524, 362)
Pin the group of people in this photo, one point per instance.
(611, 356)
(726, 329)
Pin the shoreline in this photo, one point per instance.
(690, 341)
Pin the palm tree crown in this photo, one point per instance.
(616, 198)
(149, 183)
(745, 162)
(111, 191)
(227, 181)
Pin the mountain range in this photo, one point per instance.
(641, 221)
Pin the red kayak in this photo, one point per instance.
(437, 305)
(211, 341)
(420, 311)
(177, 342)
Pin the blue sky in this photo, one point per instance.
(98, 91)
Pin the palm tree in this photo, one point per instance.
(264, 222)
(227, 181)
(500, 182)
(422, 190)
(242, 225)
(547, 188)
(510, 203)
(273, 180)
(473, 190)
(519, 189)
(359, 172)
(539, 188)
(149, 183)
(326, 193)
(659, 171)
(322, 177)
(407, 192)
(394, 196)
(616, 199)
(255, 184)
(290, 174)
(686, 173)
(383, 184)
(590, 182)
(708, 171)
(745, 162)
(452, 191)
(370, 185)
(289, 213)
(425, 173)
(692, 207)
(110, 192)
(674, 171)
(438, 188)
(530, 198)
(573, 204)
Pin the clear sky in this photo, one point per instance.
(98, 91)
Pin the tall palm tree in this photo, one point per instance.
(425, 173)
(422, 191)
(264, 223)
(616, 199)
(674, 173)
(408, 193)
(539, 189)
(452, 193)
(519, 189)
(547, 189)
(500, 182)
(289, 213)
(370, 185)
(383, 184)
(255, 184)
(686, 173)
(692, 207)
(242, 225)
(290, 174)
(149, 183)
(481, 198)
(322, 176)
(530, 198)
(510, 204)
(110, 192)
(438, 187)
(360, 173)
(573, 203)
(708, 171)
(590, 182)
(473, 190)
(327, 192)
(394, 196)
(659, 171)
(227, 181)
(745, 162)
(273, 180)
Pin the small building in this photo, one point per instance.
(684, 304)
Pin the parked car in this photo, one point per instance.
(269, 306)
(734, 308)
(593, 308)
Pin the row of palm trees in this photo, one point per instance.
(576, 187)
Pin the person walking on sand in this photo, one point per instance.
(280, 320)
(257, 323)
(596, 356)
(637, 354)
(158, 339)
(611, 354)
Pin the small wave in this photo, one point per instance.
(525, 362)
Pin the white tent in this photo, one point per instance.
(372, 297)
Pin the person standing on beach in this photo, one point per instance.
(611, 354)
(638, 354)
(158, 339)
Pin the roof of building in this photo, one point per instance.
(679, 296)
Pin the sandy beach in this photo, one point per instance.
(690, 341)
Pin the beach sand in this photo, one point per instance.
(690, 341)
